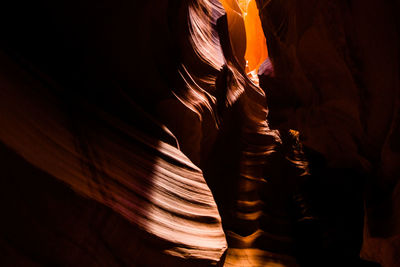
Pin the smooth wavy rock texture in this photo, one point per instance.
(148, 181)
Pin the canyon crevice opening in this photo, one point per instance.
(200, 132)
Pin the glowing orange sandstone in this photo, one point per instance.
(248, 40)
(256, 51)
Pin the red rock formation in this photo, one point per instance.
(131, 135)
(78, 104)
(336, 80)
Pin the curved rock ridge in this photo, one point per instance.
(140, 120)
(146, 180)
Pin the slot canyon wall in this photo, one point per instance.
(131, 133)
(335, 78)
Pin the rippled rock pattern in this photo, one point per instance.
(132, 133)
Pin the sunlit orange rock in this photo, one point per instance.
(254, 46)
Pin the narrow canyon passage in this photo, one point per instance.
(200, 133)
